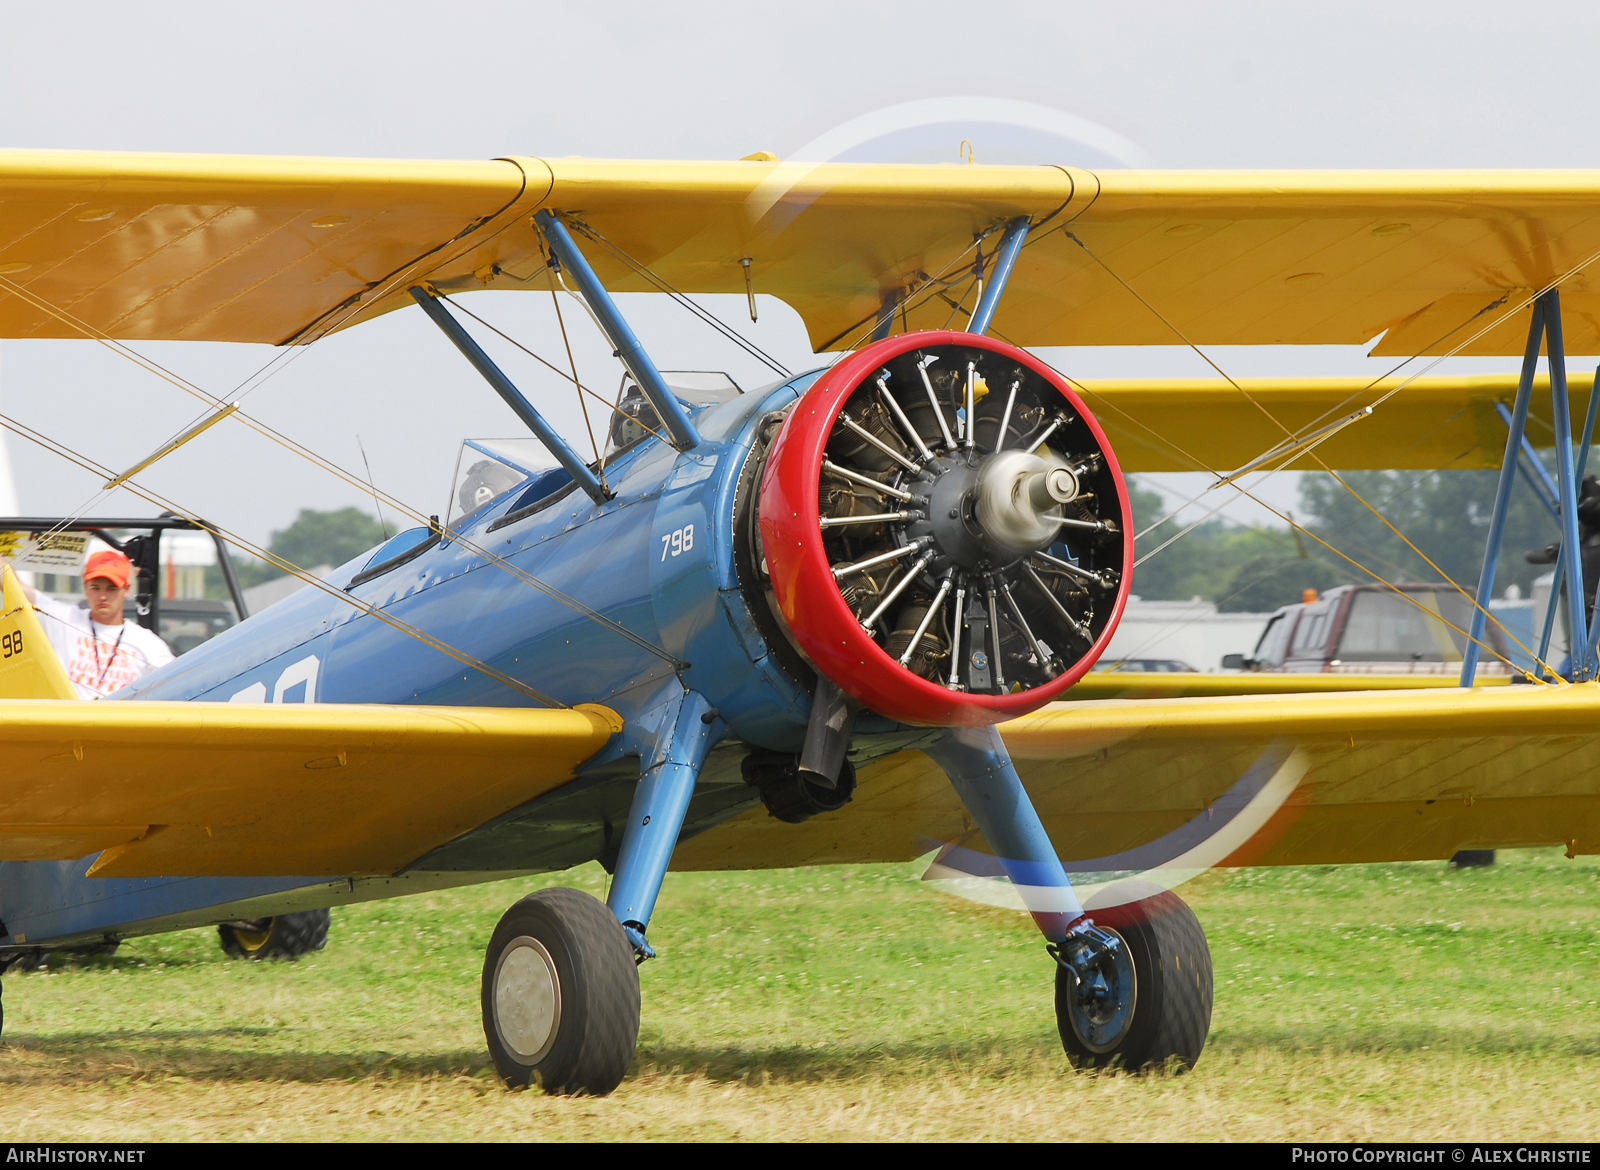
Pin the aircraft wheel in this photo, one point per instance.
(284, 936)
(1158, 1009)
(561, 995)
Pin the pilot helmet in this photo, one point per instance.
(485, 480)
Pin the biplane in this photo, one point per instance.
(842, 617)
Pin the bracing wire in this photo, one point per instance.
(1390, 393)
(661, 283)
(83, 461)
(506, 337)
(1399, 492)
(299, 449)
(594, 443)
(931, 287)
(1291, 436)
(1295, 525)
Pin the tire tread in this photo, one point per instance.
(600, 1002)
(1172, 1015)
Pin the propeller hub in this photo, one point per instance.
(1018, 496)
(983, 511)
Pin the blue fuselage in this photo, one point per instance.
(657, 559)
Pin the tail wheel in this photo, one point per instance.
(1150, 1005)
(946, 529)
(561, 995)
(283, 936)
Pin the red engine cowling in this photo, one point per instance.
(944, 576)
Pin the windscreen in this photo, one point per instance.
(488, 468)
(633, 418)
(1386, 627)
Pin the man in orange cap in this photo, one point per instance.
(101, 651)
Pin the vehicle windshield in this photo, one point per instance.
(1274, 641)
(1386, 627)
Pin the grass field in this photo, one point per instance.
(1394, 1001)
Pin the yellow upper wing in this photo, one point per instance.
(286, 249)
(247, 789)
(1392, 776)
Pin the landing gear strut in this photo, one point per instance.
(561, 977)
(1133, 975)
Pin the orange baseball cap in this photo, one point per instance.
(113, 566)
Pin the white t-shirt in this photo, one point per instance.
(99, 659)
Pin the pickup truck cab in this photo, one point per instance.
(1372, 629)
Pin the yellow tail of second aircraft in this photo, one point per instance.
(29, 668)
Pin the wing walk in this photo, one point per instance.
(1394, 776)
(243, 248)
(297, 789)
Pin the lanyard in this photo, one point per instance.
(94, 637)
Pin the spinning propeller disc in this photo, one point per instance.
(946, 529)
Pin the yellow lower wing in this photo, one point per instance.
(29, 668)
(1393, 775)
(248, 789)
(1178, 684)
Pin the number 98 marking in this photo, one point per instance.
(10, 644)
(677, 543)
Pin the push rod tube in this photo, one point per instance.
(623, 343)
(503, 386)
(1005, 260)
(1516, 424)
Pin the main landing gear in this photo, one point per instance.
(561, 984)
(561, 981)
(1133, 979)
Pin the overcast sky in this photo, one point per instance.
(1188, 84)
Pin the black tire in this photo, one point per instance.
(1162, 1019)
(284, 936)
(561, 995)
(1472, 859)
